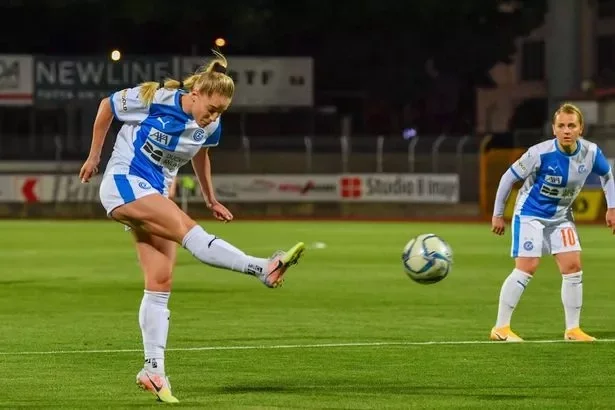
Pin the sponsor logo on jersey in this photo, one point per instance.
(159, 137)
(124, 100)
(554, 179)
(557, 192)
(521, 167)
(172, 162)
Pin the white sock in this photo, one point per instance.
(572, 298)
(154, 322)
(214, 251)
(511, 292)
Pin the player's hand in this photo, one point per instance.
(498, 226)
(220, 212)
(89, 169)
(610, 219)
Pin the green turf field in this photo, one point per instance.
(345, 332)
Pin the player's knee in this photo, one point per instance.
(527, 265)
(570, 267)
(159, 280)
(184, 226)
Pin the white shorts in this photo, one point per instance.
(120, 189)
(532, 237)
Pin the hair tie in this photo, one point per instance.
(161, 83)
(219, 68)
(181, 85)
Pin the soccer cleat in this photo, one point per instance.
(504, 334)
(279, 263)
(157, 384)
(578, 335)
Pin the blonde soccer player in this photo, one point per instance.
(554, 172)
(166, 126)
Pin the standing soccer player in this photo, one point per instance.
(165, 126)
(554, 172)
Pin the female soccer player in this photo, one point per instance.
(554, 172)
(165, 126)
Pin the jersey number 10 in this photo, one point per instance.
(568, 237)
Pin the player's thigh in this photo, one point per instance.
(565, 246)
(527, 242)
(134, 202)
(527, 237)
(157, 258)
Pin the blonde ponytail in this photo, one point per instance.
(209, 79)
(147, 92)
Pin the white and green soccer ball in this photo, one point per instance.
(427, 258)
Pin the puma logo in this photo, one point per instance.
(163, 122)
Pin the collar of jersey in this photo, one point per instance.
(178, 104)
(576, 151)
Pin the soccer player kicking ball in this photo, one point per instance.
(554, 172)
(166, 126)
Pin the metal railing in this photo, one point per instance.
(421, 153)
(306, 154)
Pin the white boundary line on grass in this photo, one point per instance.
(295, 346)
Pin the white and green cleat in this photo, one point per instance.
(157, 385)
(279, 262)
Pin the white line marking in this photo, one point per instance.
(298, 346)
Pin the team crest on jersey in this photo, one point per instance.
(553, 179)
(582, 169)
(528, 245)
(198, 135)
(144, 185)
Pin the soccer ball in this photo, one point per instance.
(427, 259)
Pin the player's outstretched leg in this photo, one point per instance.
(279, 262)
(214, 251)
(162, 218)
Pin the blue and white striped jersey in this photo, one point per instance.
(156, 140)
(553, 178)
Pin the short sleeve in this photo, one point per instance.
(214, 132)
(601, 164)
(526, 165)
(127, 106)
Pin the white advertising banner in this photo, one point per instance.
(16, 79)
(274, 188)
(267, 81)
(7, 190)
(410, 188)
